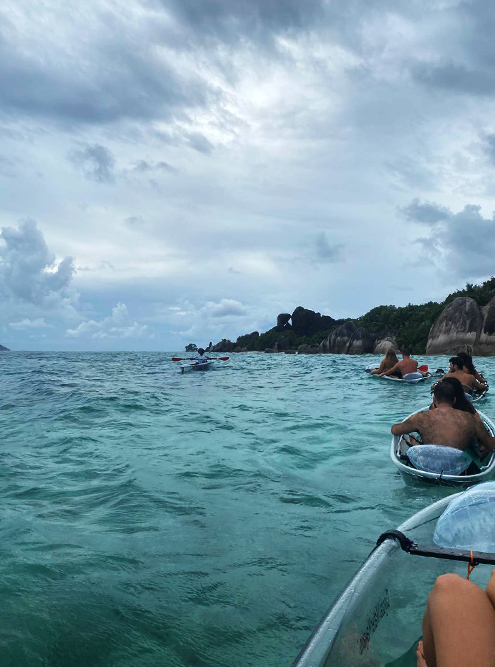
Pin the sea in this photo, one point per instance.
(206, 519)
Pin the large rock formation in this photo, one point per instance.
(485, 345)
(4, 349)
(339, 340)
(223, 346)
(362, 342)
(306, 322)
(308, 349)
(383, 345)
(457, 329)
(464, 327)
(282, 321)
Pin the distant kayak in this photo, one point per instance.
(410, 378)
(376, 620)
(197, 366)
(422, 467)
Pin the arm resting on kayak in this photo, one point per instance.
(407, 426)
(391, 370)
(482, 433)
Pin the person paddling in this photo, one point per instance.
(404, 367)
(469, 382)
(201, 357)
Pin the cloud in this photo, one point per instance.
(324, 252)
(26, 323)
(117, 325)
(28, 270)
(461, 244)
(226, 308)
(143, 166)
(96, 162)
(427, 213)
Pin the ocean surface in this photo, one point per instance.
(150, 518)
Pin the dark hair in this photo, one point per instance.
(467, 359)
(457, 361)
(461, 402)
(201, 351)
(406, 350)
(444, 392)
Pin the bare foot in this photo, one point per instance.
(420, 658)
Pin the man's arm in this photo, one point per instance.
(482, 433)
(391, 370)
(408, 426)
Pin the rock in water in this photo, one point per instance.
(4, 349)
(486, 344)
(340, 339)
(457, 329)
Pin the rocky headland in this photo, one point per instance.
(465, 321)
(4, 349)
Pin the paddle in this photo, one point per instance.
(423, 368)
(192, 358)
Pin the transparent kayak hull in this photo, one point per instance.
(376, 621)
(414, 476)
(194, 366)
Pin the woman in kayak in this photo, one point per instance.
(469, 367)
(388, 362)
(458, 624)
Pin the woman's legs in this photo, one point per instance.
(459, 624)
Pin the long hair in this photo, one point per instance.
(468, 362)
(390, 358)
(461, 402)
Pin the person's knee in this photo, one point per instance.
(447, 584)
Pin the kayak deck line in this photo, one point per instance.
(410, 547)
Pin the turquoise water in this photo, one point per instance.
(200, 520)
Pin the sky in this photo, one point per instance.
(176, 171)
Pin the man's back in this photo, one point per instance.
(465, 379)
(408, 365)
(448, 427)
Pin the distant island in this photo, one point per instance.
(464, 321)
(4, 349)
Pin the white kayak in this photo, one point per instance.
(479, 470)
(410, 378)
(376, 620)
(197, 366)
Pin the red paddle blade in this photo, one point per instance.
(423, 368)
(177, 359)
(224, 358)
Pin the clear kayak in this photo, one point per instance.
(410, 378)
(197, 366)
(480, 469)
(376, 620)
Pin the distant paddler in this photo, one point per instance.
(404, 367)
(201, 357)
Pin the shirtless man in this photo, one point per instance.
(407, 365)
(468, 381)
(445, 426)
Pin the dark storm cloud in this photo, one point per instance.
(97, 163)
(231, 21)
(113, 73)
(463, 243)
(428, 213)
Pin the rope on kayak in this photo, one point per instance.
(471, 565)
(474, 558)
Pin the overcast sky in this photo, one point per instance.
(177, 171)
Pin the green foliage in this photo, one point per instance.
(409, 325)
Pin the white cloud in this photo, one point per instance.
(26, 323)
(117, 325)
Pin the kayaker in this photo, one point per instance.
(467, 360)
(469, 382)
(445, 426)
(201, 356)
(460, 402)
(458, 624)
(388, 362)
(404, 367)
